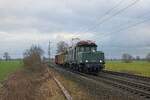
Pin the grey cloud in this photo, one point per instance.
(49, 19)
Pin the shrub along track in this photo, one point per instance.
(131, 84)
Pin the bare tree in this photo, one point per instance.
(61, 46)
(138, 58)
(33, 57)
(148, 57)
(127, 58)
(6, 56)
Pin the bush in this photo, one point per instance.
(148, 57)
(32, 58)
(127, 58)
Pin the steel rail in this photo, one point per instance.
(136, 88)
(130, 79)
(137, 77)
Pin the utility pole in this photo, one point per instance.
(49, 52)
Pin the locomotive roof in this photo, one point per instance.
(86, 43)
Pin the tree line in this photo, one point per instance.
(5, 56)
(129, 58)
(62, 46)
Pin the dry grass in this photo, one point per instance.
(27, 85)
(74, 89)
(34, 82)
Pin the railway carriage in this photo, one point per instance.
(82, 57)
(59, 58)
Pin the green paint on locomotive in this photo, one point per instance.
(84, 54)
(91, 57)
(85, 58)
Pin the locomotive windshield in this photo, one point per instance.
(87, 49)
(93, 49)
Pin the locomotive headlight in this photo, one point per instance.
(86, 61)
(100, 61)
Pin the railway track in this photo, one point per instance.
(126, 83)
(145, 83)
(133, 86)
(135, 77)
(138, 89)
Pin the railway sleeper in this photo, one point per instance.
(129, 83)
(128, 88)
(126, 75)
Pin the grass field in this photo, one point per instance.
(7, 67)
(137, 67)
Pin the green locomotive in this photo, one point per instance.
(83, 57)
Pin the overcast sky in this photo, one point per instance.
(27, 22)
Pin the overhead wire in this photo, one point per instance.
(133, 25)
(109, 11)
(115, 14)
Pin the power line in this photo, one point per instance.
(109, 11)
(49, 51)
(130, 25)
(115, 14)
(133, 25)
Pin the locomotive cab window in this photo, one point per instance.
(87, 49)
(81, 49)
(93, 49)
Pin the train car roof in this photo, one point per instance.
(86, 43)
